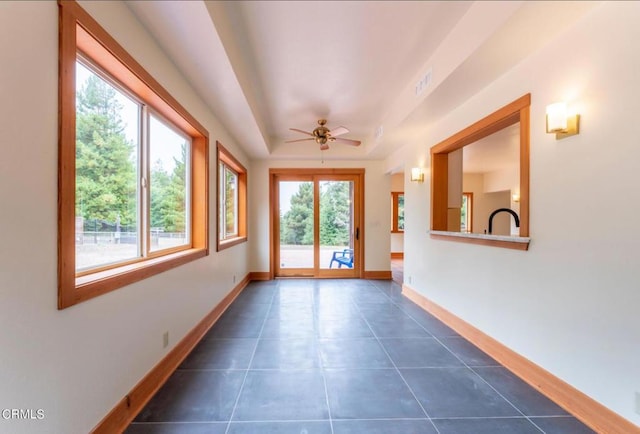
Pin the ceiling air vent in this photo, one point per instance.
(424, 82)
(378, 133)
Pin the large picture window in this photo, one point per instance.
(132, 168)
(232, 200)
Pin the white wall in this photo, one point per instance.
(570, 303)
(397, 182)
(501, 180)
(377, 190)
(75, 364)
(484, 203)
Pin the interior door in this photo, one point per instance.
(317, 225)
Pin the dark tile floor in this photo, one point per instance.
(342, 357)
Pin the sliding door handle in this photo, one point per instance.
(357, 233)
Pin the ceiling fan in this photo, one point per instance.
(323, 135)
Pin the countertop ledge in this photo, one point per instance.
(505, 238)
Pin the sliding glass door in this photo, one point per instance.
(297, 231)
(317, 228)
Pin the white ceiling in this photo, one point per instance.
(266, 66)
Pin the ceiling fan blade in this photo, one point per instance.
(339, 131)
(348, 141)
(300, 131)
(299, 140)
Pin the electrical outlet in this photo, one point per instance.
(409, 280)
(638, 402)
(165, 339)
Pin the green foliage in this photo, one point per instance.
(105, 160)
(296, 225)
(335, 214)
(106, 167)
(168, 199)
(230, 198)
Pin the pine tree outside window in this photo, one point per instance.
(133, 173)
(111, 225)
(107, 160)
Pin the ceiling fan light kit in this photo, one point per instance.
(323, 135)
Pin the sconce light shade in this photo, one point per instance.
(560, 123)
(417, 175)
(556, 117)
(515, 197)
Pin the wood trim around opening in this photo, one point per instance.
(309, 174)
(514, 112)
(589, 411)
(223, 155)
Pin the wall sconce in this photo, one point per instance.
(560, 123)
(417, 175)
(515, 197)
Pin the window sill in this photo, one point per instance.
(397, 232)
(506, 242)
(230, 243)
(95, 284)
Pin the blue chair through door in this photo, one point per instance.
(342, 257)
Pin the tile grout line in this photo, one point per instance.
(394, 363)
(390, 300)
(322, 368)
(246, 374)
(466, 365)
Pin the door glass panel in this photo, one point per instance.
(336, 224)
(296, 224)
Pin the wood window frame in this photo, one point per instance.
(510, 114)
(225, 157)
(80, 33)
(395, 197)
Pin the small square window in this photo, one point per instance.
(397, 208)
